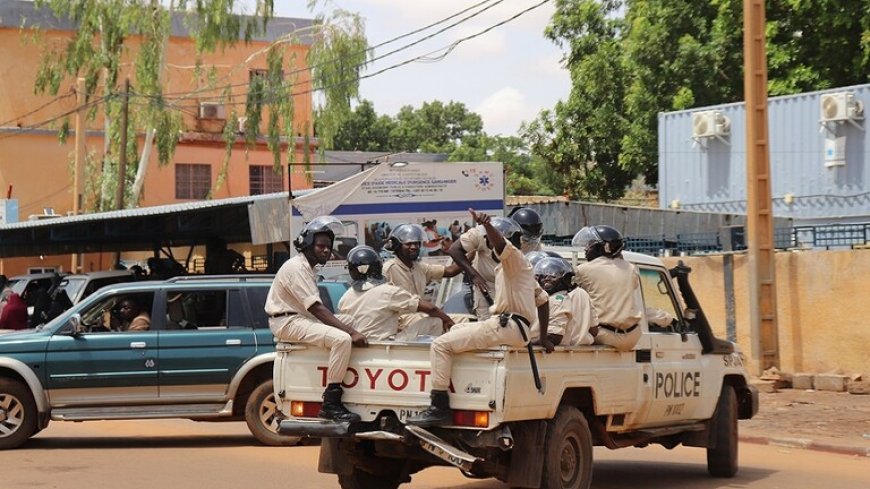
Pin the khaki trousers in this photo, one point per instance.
(463, 337)
(300, 329)
(419, 325)
(621, 341)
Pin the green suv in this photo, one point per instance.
(207, 355)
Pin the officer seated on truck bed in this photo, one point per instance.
(519, 301)
(613, 285)
(297, 315)
(375, 307)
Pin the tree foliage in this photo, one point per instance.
(98, 50)
(630, 60)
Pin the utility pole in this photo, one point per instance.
(81, 139)
(122, 155)
(759, 205)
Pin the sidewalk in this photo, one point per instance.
(836, 422)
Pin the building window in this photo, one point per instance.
(264, 180)
(192, 181)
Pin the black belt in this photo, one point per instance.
(282, 314)
(521, 321)
(618, 330)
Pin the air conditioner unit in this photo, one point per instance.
(840, 106)
(211, 110)
(710, 123)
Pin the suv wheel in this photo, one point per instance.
(263, 416)
(17, 414)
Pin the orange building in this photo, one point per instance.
(37, 170)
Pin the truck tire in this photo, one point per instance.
(568, 451)
(722, 458)
(361, 479)
(262, 416)
(17, 414)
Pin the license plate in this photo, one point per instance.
(404, 414)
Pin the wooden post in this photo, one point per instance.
(759, 205)
(80, 156)
(122, 156)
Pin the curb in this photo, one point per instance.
(806, 444)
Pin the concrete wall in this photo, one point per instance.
(822, 304)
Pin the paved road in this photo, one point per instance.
(168, 454)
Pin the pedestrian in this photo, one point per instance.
(297, 314)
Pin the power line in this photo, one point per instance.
(376, 58)
(33, 127)
(442, 52)
(22, 116)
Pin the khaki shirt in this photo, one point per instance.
(412, 279)
(375, 309)
(571, 316)
(473, 241)
(613, 285)
(516, 290)
(294, 289)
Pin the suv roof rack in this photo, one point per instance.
(240, 278)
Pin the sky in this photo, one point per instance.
(507, 75)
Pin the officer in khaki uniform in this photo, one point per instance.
(613, 285)
(474, 255)
(571, 312)
(406, 270)
(297, 315)
(518, 302)
(375, 307)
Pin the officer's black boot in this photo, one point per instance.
(437, 414)
(333, 408)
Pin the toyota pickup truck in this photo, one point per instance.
(680, 385)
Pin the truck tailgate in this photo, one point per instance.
(388, 376)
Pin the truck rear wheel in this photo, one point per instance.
(17, 414)
(722, 458)
(262, 416)
(568, 459)
(361, 479)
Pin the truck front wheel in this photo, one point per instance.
(722, 458)
(17, 414)
(262, 416)
(568, 459)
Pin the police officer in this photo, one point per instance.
(532, 225)
(406, 270)
(519, 303)
(297, 314)
(613, 285)
(375, 306)
(571, 312)
(473, 243)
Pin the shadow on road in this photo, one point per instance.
(140, 442)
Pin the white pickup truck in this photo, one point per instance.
(680, 385)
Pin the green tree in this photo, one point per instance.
(435, 127)
(365, 130)
(662, 55)
(580, 138)
(97, 49)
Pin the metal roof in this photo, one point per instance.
(142, 229)
(15, 14)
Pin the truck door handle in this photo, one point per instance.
(235, 342)
(138, 344)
